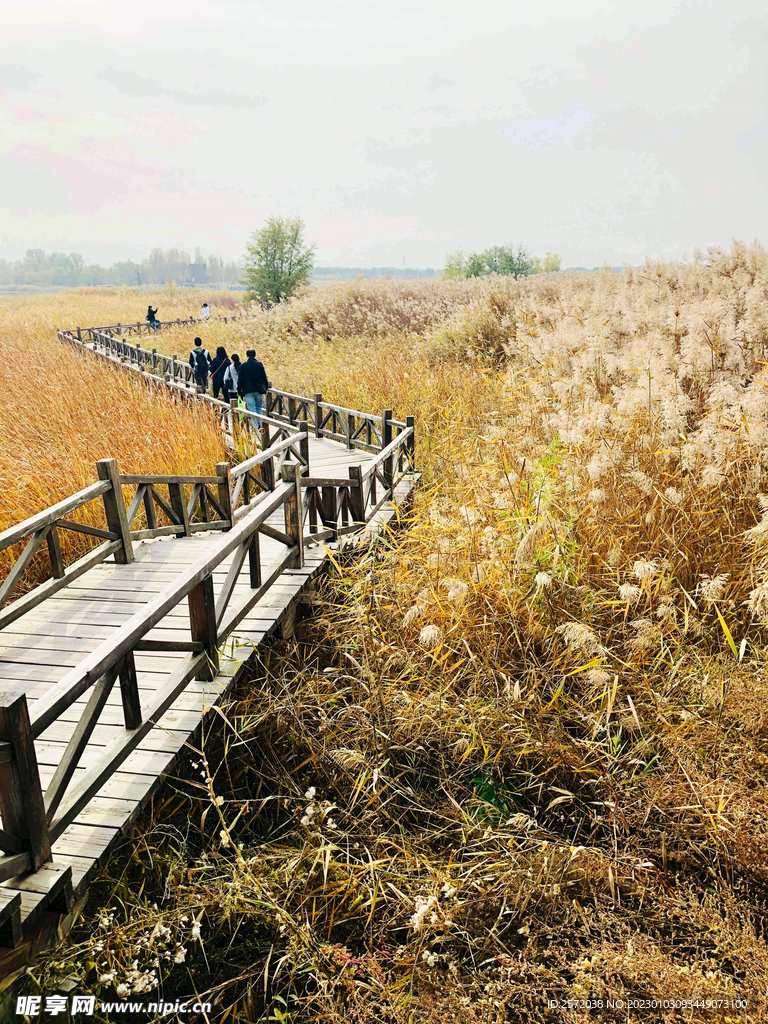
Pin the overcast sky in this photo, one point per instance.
(603, 130)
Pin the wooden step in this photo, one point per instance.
(48, 890)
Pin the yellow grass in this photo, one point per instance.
(63, 411)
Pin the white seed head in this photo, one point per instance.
(630, 592)
(644, 569)
(430, 636)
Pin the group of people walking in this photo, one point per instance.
(230, 377)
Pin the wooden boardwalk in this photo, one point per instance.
(174, 615)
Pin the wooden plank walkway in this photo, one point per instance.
(39, 647)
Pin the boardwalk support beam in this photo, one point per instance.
(202, 618)
(294, 519)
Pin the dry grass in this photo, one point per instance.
(63, 411)
(520, 755)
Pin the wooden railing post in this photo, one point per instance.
(330, 510)
(54, 551)
(318, 415)
(264, 436)
(294, 519)
(202, 619)
(350, 429)
(21, 796)
(254, 560)
(114, 506)
(356, 498)
(149, 510)
(223, 469)
(386, 439)
(179, 506)
(234, 419)
(304, 446)
(292, 411)
(410, 421)
(268, 473)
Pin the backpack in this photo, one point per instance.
(201, 362)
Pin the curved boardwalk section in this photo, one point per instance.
(107, 667)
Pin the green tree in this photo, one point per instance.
(499, 259)
(508, 260)
(277, 260)
(476, 265)
(550, 263)
(454, 265)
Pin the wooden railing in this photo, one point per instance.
(145, 327)
(166, 505)
(44, 528)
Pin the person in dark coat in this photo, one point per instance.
(200, 361)
(219, 365)
(152, 317)
(252, 383)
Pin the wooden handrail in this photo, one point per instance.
(352, 412)
(142, 356)
(384, 454)
(257, 460)
(139, 479)
(287, 394)
(37, 522)
(357, 422)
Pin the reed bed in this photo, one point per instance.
(62, 411)
(518, 756)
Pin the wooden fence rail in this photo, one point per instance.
(45, 527)
(145, 327)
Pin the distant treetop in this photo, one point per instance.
(499, 259)
(277, 260)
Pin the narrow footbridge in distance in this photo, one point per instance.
(107, 666)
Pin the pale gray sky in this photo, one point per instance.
(604, 130)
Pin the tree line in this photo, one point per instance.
(70, 270)
(499, 259)
(278, 261)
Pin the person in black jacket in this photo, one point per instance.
(152, 317)
(219, 365)
(200, 361)
(252, 383)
